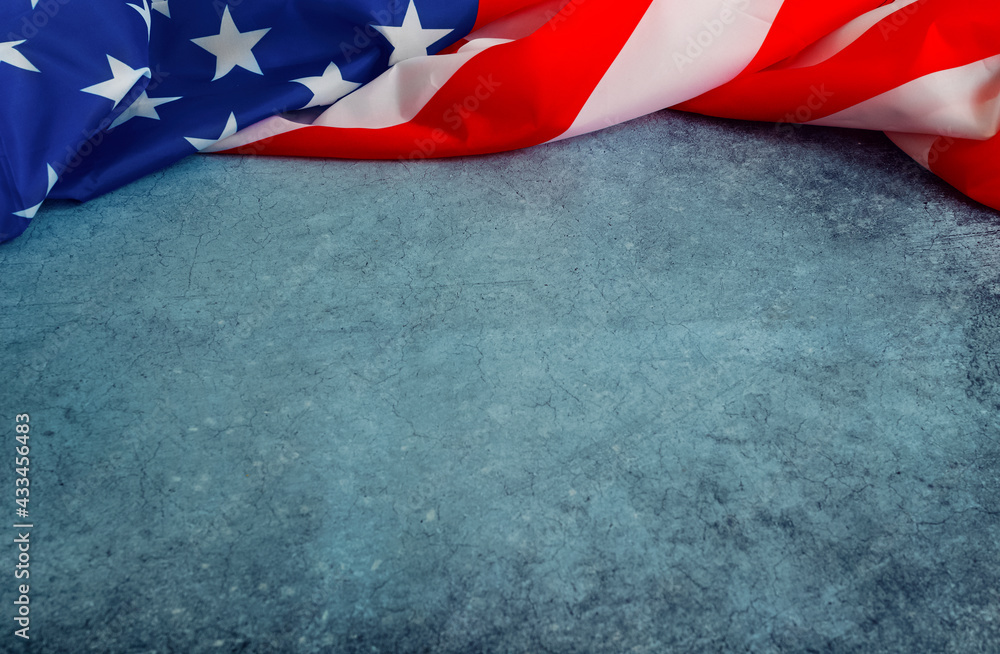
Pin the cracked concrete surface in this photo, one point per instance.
(681, 385)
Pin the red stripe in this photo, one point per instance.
(973, 167)
(799, 24)
(491, 10)
(935, 35)
(509, 96)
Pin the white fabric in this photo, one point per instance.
(678, 51)
(961, 102)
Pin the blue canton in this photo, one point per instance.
(100, 93)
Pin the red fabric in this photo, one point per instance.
(885, 57)
(972, 167)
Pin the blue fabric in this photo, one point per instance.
(48, 122)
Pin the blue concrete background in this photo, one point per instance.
(681, 385)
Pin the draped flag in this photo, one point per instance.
(97, 93)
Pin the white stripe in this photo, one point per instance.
(392, 98)
(397, 95)
(961, 102)
(917, 146)
(679, 50)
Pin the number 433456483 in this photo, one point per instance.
(22, 429)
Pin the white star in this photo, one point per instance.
(13, 57)
(231, 47)
(162, 7)
(123, 79)
(410, 39)
(30, 212)
(33, 3)
(201, 144)
(328, 87)
(143, 107)
(144, 12)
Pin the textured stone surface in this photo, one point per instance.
(681, 385)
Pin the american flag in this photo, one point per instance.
(99, 93)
